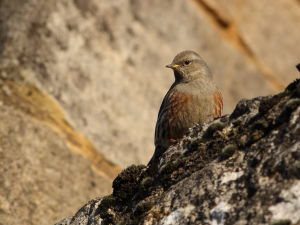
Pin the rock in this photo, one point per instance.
(88, 76)
(39, 175)
(257, 183)
(104, 62)
(44, 162)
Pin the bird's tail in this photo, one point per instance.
(154, 161)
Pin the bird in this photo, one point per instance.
(192, 99)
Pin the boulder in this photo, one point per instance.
(83, 79)
(242, 168)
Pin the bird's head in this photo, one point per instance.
(189, 66)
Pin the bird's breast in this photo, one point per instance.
(185, 110)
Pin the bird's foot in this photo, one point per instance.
(172, 140)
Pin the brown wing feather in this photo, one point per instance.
(168, 115)
(218, 100)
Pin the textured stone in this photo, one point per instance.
(265, 32)
(103, 61)
(91, 74)
(41, 180)
(257, 184)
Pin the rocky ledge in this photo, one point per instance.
(243, 168)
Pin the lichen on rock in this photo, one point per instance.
(244, 172)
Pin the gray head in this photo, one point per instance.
(189, 66)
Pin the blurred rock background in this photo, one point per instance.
(81, 82)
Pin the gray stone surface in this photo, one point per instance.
(104, 61)
(91, 75)
(239, 169)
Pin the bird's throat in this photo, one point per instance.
(178, 76)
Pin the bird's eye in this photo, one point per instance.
(187, 62)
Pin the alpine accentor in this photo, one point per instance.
(192, 99)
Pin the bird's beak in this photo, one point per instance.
(172, 66)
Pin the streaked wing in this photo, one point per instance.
(168, 113)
